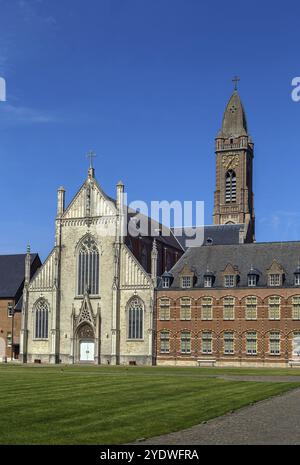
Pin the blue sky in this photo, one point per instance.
(144, 83)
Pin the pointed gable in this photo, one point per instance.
(90, 201)
(132, 273)
(44, 279)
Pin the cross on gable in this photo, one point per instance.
(91, 155)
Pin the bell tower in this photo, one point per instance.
(233, 202)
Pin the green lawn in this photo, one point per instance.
(113, 405)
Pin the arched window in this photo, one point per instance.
(230, 186)
(88, 267)
(135, 319)
(41, 320)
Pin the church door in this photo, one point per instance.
(87, 350)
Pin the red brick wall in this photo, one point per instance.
(6, 325)
(286, 325)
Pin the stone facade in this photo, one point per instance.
(92, 321)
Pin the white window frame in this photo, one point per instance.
(165, 337)
(251, 338)
(275, 279)
(165, 283)
(252, 280)
(228, 305)
(186, 282)
(229, 337)
(229, 280)
(274, 340)
(164, 306)
(251, 306)
(274, 305)
(208, 281)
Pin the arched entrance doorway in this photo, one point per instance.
(86, 343)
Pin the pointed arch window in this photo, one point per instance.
(230, 186)
(88, 267)
(41, 320)
(135, 319)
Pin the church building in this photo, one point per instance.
(92, 300)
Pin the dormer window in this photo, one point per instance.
(297, 276)
(252, 280)
(186, 282)
(229, 280)
(208, 281)
(275, 274)
(165, 282)
(253, 277)
(275, 280)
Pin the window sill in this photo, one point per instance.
(40, 340)
(135, 340)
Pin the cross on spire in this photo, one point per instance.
(91, 155)
(235, 79)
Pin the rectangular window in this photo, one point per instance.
(164, 309)
(185, 308)
(275, 343)
(251, 308)
(207, 342)
(165, 342)
(251, 343)
(185, 342)
(297, 279)
(274, 280)
(296, 344)
(274, 308)
(165, 283)
(186, 282)
(207, 281)
(228, 343)
(229, 280)
(296, 308)
(228, 308)
(9, 339)
(252, 280)
(206, 313)
(10, 310)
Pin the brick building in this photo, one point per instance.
(231, 301)
(12, 274)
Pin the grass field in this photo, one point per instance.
(114, 405)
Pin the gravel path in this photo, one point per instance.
(272, 421)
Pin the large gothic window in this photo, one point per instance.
(135, 319)
(41, 320)
(230, 186)
(88, 267)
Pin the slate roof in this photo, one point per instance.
(12, 271)
(260, 256)
(213, 235)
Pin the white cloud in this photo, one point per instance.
(18, 114)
